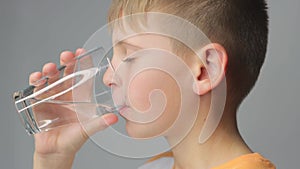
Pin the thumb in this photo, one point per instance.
(100, 123)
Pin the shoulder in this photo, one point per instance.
(248, 161)
(162, 161)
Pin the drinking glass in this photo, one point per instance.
(77, 97)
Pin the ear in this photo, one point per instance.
(212, 69)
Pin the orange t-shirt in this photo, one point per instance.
(249, 161)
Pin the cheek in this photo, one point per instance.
(144, 84)
(139, 92)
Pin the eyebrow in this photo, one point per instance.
(130, 44)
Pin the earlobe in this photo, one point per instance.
(212, 71)
(201, 87)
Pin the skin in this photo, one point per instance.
(142, 85)
(57, 148)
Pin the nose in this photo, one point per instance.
(109, 74)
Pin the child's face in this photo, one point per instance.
(149, 97)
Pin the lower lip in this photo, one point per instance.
(123, 110)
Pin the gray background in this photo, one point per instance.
(33, 32)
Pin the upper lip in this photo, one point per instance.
(119, 101)
(121, 107)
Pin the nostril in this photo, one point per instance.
(110, 79)
(106, 78)
(111, 85)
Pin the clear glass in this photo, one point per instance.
(78, 97)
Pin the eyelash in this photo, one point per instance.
(127, 59)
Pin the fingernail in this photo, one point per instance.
(109, 120)
(79, 51)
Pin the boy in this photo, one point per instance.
(238, 32)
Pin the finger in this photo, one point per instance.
(86, 61)
(51, 72)
(67, 58)
(79, 51)
(100, 123)
(34, 79)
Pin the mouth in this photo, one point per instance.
(121, 104)
(122, 109)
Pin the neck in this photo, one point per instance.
(224, 145)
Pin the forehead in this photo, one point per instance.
(142, 39)
(162, 28)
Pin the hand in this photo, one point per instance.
(65, 141)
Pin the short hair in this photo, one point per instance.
(240, 26)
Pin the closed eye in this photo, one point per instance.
(128, 59)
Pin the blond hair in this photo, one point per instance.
(241, 26)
